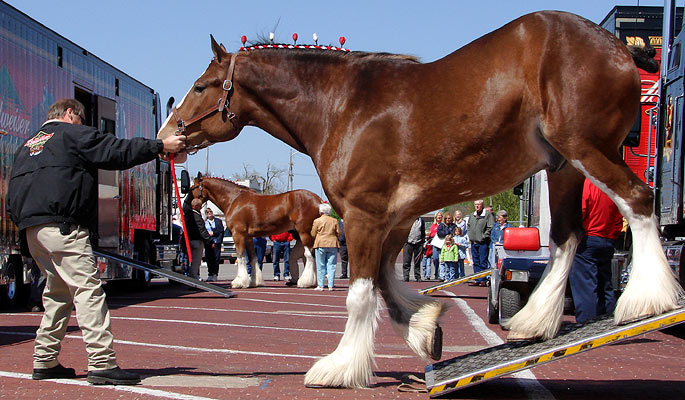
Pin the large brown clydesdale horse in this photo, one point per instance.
(392, 138)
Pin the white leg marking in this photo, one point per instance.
(652, 288)
(256, 278)
(418, 316)
(350, 365)
(242, 280)
(308, 277)
(541, 316)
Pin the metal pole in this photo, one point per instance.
(666, 39)
(290, 171)
(207, 161)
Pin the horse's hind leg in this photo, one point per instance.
(256, 277)
(541, 316)
(414, 317)
(652, 287)
(296, 254)
(308, 276)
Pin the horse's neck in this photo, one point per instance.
(295, 102)
(222, 194)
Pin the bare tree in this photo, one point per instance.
(271, 183)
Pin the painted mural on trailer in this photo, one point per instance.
(38, 67)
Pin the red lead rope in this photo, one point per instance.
(180, 208)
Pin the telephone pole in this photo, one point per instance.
(290, 171)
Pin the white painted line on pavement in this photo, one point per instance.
(130, 389)
(526, 379)
(289, 302)
(179, 321)
(233, 310)
(202, 349)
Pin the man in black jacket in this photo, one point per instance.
(52, 197)
(197, 234)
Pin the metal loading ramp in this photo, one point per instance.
(174, 276)
(467, 278)
(470, 369)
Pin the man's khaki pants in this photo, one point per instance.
(69, 265)
(196, 248)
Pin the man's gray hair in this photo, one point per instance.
(501, 213)
(325, 208)
(58, 108)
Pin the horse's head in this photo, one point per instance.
(198, 190)
(210, 111)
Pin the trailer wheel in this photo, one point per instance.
(509, 304)
(493, 316)
(13, 293)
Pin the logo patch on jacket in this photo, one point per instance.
(36, 143)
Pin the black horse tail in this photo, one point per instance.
(644, 58)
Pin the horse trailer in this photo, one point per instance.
(38, 67)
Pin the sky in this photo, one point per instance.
(165, 45)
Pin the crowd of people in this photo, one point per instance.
(452, 240)
(437, 253)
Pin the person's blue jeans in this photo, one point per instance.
(491, 255)
(284, 249)
(426, 264)
(460, 268)
(590, 278)
(260, 249)
(326, 260)
(479, 252)
(450, 270)
(436, 261)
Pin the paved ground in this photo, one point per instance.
(193, 345)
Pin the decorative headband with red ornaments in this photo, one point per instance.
(295, 45)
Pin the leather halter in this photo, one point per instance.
(220, 106)
(202, 191)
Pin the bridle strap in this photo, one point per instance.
(223, 102)
(220, 106)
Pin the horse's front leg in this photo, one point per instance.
(308, 276)
(350, 365)
(242, 279)
(414, 317)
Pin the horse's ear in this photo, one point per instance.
(199, 175)
(218, 50)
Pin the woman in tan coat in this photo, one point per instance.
(325, 232)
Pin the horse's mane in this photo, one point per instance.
(333, 53)
(228, 182)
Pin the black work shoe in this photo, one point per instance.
(56, 372)
(114, 376)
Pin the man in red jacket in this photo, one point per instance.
(590, 278)
(281, 246)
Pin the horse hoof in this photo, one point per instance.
(640, 317)
(515, 337)
(436, 344)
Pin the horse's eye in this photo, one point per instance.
(198, 88)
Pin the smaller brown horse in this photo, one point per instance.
(250, 214)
